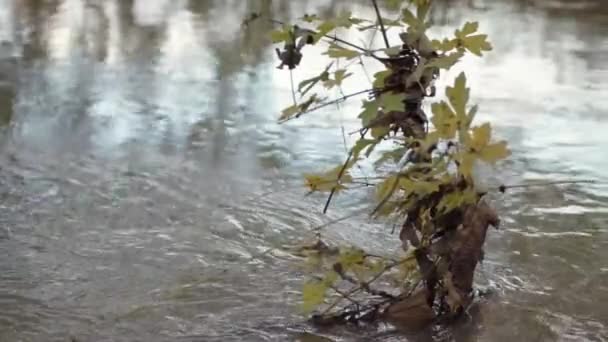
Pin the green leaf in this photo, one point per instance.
(418, 187)
(456, 199)
(379, 133)
(369, 113)
(409, 18)
(336, 51)
(393, 5)
(278, 36)
(311, 82)
(422, 10)
(313, 295)
(360, 145)
(387, 187)
(324, 28)
(379, 78)
(445, 61)
(346, 20)
(392, 102)
(295, 110)
(393, 50)
(339, 76)
(415, 77)
(371, 147)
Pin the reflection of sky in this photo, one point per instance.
(148, 69)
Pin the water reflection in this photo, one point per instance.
(139, 146)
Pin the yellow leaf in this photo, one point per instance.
(388, 208)
(467, 29)
(351, 256)
(470, 117)
(477, 44)
(328, 180)
(481, 137)
(444, 120)
(445, 45)
(446, 61)
(459, 95)
(313, 295)
(466, 161)
(288, 112)
(417, 186)
(494, 152)
(455, 200)
(360, 145)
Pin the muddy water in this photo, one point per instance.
(143, 174)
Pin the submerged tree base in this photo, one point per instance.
(446, 288)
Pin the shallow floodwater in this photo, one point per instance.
(143, 175)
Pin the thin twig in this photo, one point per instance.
(340, 219)
(325, 104)
(502, 188)
(345, 295)
(361, 287)
(386, 198)
(335, 39)
(293, 92)
(381, 23)
(333, 190)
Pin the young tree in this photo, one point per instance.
(431, 188)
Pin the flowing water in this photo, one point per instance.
(143, 174)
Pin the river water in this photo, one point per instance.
(146, 188)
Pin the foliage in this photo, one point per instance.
(431, 187)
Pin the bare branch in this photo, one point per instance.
(381, 23)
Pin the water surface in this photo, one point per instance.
(143, 173)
